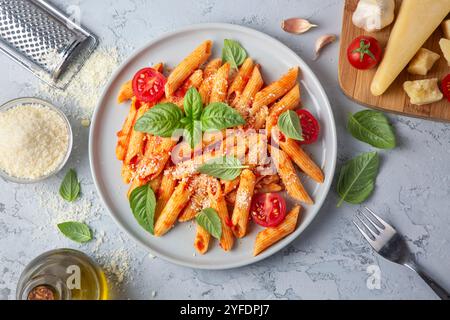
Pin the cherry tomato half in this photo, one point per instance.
(364, 53)
(268, 209)
(445, 87)
(148, 85)
(310, 126)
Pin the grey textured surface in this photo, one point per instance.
(329, 261)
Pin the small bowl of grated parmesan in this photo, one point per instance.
(35, 140)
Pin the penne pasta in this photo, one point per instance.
(126, 92)
(301, 158)
(208, 78)
(123, 135)
(275, 90)
(177, 201)
(135, 183)
(170, 167)
(199, 199)
(194, 81)
(243, 201)
(263, 180)
(155, 183)
(191, 63)
(166, 189)
(241, 79)
(230, 198)
(270, 236)
(220, 84)
(269, 188)
(189, 167)
(155, 157)
(126, 173)
(254, 84)
(202, 239)
(229, 185)
(290, 101)
(218, 203)
(259, 119)
(137, 139)
(289, 177)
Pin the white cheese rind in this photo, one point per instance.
(416, 21)
(423, 91)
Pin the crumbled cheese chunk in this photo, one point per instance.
(423, 91)
(423, 62)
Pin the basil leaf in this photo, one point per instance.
(142, 204)
(76, 231)
(357, 178)
(373, 128)
(161, 120)
(193, 104)
(193, 133)
(226, 168)
(209, 220)
(70, 187)
(233, 53)
(218, 116)
(289, 124)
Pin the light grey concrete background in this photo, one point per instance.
(329, 261)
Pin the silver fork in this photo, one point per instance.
(385, 240)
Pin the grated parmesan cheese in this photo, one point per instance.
(85, 89)
(33, 141)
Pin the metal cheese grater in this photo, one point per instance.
(43, 40)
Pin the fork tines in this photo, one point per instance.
(374, 229)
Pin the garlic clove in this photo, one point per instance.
(296, 25)
(322, 42)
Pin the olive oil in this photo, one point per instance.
(62, 274)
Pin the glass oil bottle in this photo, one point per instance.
(62, 274)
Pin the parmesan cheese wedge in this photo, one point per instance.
(423, 91)
(416, 21)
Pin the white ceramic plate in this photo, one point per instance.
(177, 245)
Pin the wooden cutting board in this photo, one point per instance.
(356, 84)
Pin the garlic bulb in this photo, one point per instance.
(374, 15)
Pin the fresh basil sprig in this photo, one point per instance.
(233, 53)
(164, 119)
(193, 104)
(142, 204)
(226, 168)
(161, 120)
(70, 186)
(289, 124)
(218, 116)
(357, 178)
(209, 220)
(373, 128)
(75, 231)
